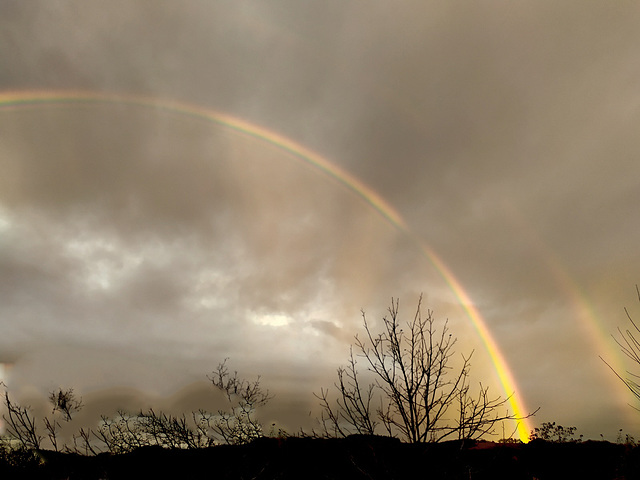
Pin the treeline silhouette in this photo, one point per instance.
(354, 457)
(414, 393)
(415, 412)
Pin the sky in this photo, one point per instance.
(184, 182)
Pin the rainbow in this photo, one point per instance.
(500, 365)
(30, 98)
(581, 304)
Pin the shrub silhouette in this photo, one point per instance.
(555, 433)
(21, 424)
(237, 424)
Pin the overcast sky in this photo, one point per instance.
(139, 246)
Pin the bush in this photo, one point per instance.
(551, 432)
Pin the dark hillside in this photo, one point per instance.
(351, 458)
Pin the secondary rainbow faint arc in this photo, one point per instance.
(25, 98)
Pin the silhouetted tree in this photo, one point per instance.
(65, 402)
(630, 346)
(235, 425)
(555, 433)
(238, 424)
(174, 431)
(352, 411)
(21, 424)
(125, 432)
(121, 434)
(415, 384)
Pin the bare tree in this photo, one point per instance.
(83, 442)
(121, 434)
(551, 432)
(238, 424)
(478, 416)
(65, 402)
(352, 410)
(173, 431)
(630, 346)
(125, 432)
(21, 424)
(415, 383)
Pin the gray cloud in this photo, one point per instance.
(504, 134)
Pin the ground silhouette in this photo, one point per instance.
(354, 457)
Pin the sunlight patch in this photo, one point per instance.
(271, 319)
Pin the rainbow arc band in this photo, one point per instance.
(35, 98)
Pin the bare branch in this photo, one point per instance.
(65, 402)
(416, 384)
(21, 424)
(630, 346)
(238, 424)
